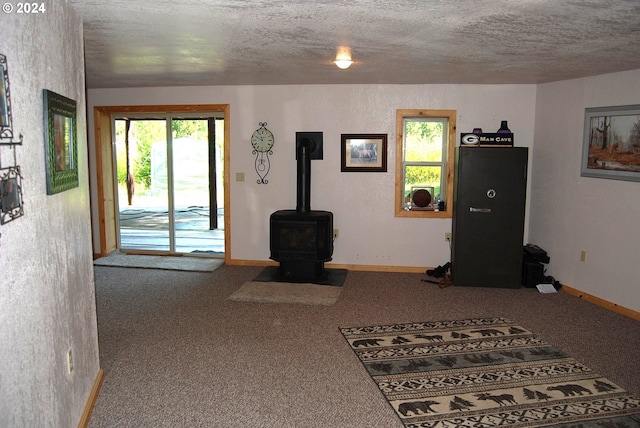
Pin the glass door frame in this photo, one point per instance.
(168, 118)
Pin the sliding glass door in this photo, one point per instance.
(169, 178)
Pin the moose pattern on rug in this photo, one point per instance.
(485, 372)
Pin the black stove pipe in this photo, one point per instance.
(305, 147)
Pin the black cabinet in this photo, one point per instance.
(488, 216)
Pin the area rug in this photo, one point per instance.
(485, 372)
(193, 264)
(286, 292)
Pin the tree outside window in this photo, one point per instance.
(425, 142)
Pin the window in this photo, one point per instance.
(425, 143)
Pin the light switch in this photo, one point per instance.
(239, 176)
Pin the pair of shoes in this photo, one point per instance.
(440, 271)
(431, 279)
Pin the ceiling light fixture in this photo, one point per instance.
(343, 57)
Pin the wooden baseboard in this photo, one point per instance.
(375, 268)
(91, 401)
(365, 268)
(601, 302)
(238, 262)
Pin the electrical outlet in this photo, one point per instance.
(447, 236)
(336, 233)
(583, 256)
(69, 361)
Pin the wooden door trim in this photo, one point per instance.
(101, 113)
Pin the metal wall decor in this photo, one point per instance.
(262, 142)
(6, 120)
(10, 177)
(10, 194)
(61, 145)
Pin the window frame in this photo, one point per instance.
(450, 116)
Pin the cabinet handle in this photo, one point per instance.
(479, 210)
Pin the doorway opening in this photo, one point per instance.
(169, 181)
(104, 206)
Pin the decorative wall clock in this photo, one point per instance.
(262, 142)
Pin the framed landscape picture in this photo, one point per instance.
(611, 146)
(364, 153)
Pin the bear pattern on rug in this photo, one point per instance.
(485, 372)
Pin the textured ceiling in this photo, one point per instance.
(131, 43)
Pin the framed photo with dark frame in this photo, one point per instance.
(611, 146)
(61, 145)
(363, 153)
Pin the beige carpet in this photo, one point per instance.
(286, 292)
(178, 353)
(185, 263)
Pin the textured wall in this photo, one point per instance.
(575, 213)
(47, 301)
(362, 203)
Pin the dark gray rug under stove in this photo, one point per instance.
(335, 277)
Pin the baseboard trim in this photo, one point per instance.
(91, 401)
(601, 302)
(366, 268)
(376, 268)
(239, 262)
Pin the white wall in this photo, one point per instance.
(573, 213)
(362, 203)
(47, 301)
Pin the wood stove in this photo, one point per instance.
(302, 239)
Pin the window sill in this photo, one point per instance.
(423, 214)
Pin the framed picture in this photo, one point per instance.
(10, 194)
(364, 153)
(611, 146)
(6, 126)
(61, 145)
